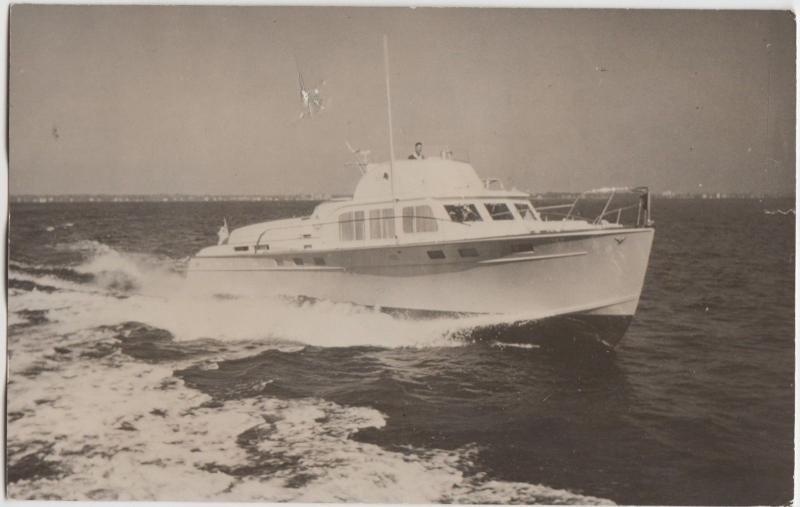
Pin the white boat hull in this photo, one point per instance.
(594, 273)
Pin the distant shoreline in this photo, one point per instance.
(165, 198)
(82, 198)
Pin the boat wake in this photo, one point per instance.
(96, 412)
(109, 287)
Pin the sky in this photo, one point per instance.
(205, 100)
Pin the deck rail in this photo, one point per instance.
(642, 207)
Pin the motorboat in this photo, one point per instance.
(444, 242)
(431, 238)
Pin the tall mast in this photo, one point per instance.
(389, 108)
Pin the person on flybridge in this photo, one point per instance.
(417, 155)
(223, 234)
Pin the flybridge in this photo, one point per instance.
(433, 177)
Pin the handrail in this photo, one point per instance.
(258, 241)
(608, 203)
(615, 210)
(643, 214)
(557, 206)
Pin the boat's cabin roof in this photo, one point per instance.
(432, 177)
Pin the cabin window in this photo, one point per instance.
(419, 219)
(298, 261)
(375, 224)
(525, 211)
(467, 252)
(319, 261)
(408, 219)
(240, 248)
(346, 226)
(262, 247)
(522, 247)
(388, 222)
(424, 220)
(351, 226)
(381, 223)
(358, 217)
(435, 254)
(463, 213)
(499, 211)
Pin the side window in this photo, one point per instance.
(358, 218)
(346, 229)
(375, 224)
(499, 211)
(418, 219)
(463, 213)
(381, 223)
(408, 219)
(424, 219)
(388, 222)
(525, 211)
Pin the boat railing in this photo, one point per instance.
(642, 207)
(446, 152)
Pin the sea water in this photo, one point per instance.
(125, 385)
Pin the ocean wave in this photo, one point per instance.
(66, 273)
(122, 271)
(95, 424)
(65, 225)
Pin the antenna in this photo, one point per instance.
(361, 157)
(389, 108)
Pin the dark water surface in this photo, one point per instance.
(124, 386)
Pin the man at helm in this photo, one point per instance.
(417, 155)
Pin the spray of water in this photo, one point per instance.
(124, 287)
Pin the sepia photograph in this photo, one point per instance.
(395, 255)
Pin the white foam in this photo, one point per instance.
(121, 429)
(156, 295)
(503, 345)
(129, 431)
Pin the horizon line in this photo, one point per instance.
(665, 193)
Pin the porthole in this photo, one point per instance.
(522, 247)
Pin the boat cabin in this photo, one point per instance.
(427, 201)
